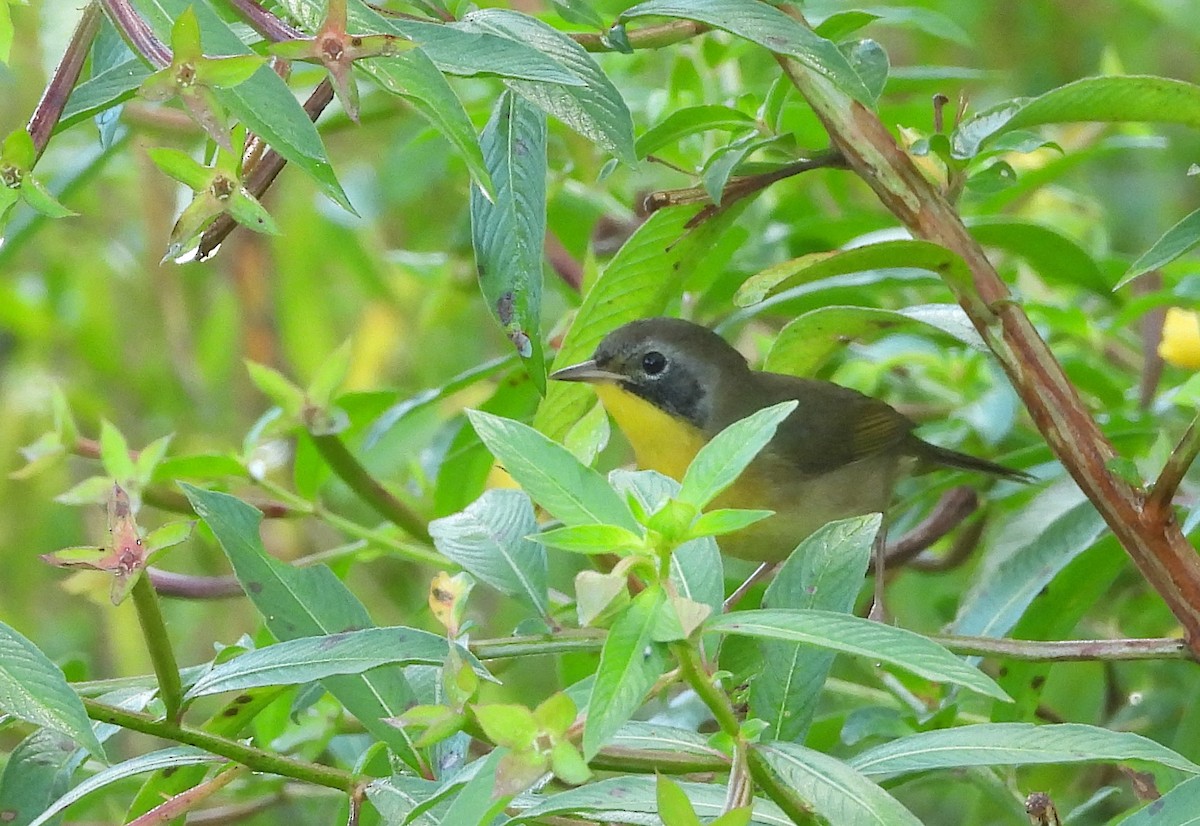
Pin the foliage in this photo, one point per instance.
(447, 599)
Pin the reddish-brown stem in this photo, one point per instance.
(1153, 540)
(955, 505)
(66, 75)
(265, 23)
(259, 179)
(1158, 503)
(135, 31)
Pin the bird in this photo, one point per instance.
(671, 385)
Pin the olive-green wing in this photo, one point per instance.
(833, 425)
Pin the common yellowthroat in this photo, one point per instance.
(671, 385)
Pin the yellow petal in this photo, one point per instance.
(1180, 343)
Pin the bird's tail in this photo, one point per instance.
(933, 454)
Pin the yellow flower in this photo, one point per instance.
(1180, 343)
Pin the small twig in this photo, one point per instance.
(256, 759)
(186, 801)
(347, 468)
(955, 505)
(762, 572)
(563, 263)
(135, 31)
(259, 179)
(1158, 503)
(698, 679)
(738, 187)
(658, 761)
(62, 83)
(190, 586)
(158, 644)
(960, 551)
(1068, 650)
(270, 26)
(649, 37)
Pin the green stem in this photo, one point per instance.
(170, 690)
(563, 642)
(249, 756)
(409, 550)
(648, 37)
(1158, 503)
(335, 453)
(717, 701)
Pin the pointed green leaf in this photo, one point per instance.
(726, 520)
(720, 462)
(1178, 807)
(768, 27)
(861, 637)
(38, 196)
(1015, 744)
(182, 167)
(673, 805)
(691, 120)
(547, 471)
(308, 659)
(507, 725)
(1175, 242)
(224, 72)
(825, 572)
(508, 232)
(590, 539)
(490, 540)
(630, 662)
(306, 602)
(594, 109)
(35, 690)
(114, 453)
(834, 791)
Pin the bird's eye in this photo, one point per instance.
(654, 363)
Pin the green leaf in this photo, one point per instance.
(1015, 744)
(769, 28)
(870, 62)
(630, 662)
(308, 659)
(306, 602)
(168, 536)
(691, 120)
(1177, 807)
(993, 606)
(114, 454)
(825, 572)
(720, 462)
(277, 387)
(556, 713)
(414, 77)
(34, 689)
(182, 167)
(725, 161)
(834, 791)
(149, 458)
(726, 520)
(860, 637)
(634, 799)
(806, 343)
(226, 72)
(594, 109)
(568, 764)
(508, 725)
(673, 805)
(454, 51)
(884, 255)
(1175, 242)
(508, 233)
(490, 539)
(590, 539)
(154, 761)
(1112, 99)
(39, 197)
(570, 491)
(329, 376)
(1059, 260)
(697, 571)
(642, 278)
(247, 211)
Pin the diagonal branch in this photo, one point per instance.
(1155, 544)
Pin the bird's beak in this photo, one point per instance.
(585, 371)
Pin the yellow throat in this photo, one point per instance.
(660, 441)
